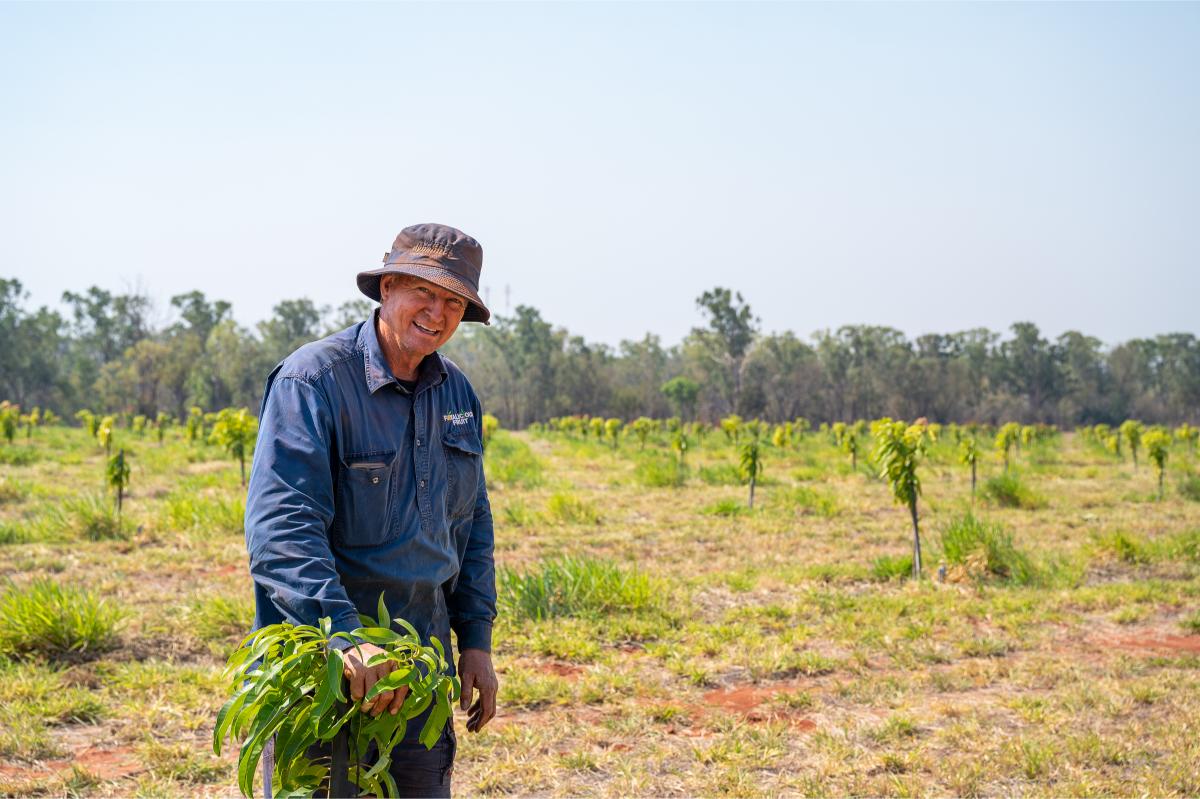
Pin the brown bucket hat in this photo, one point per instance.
(437, 253)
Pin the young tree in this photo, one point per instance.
(751, 465)
(1131, 431)
(850, 444)
(968, 453)
(104, 433)
(10, 417)
(612, 428)
(898, 451)
(234, 431)
(641, 428)
(490, 425)
(161, 422)
(1158, 446)
(731, 426)
(1006, 438)
(195, 424)
(679, 443)
(116, 475)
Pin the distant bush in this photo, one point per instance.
(1189, 487)
(188, 510)
(510, 462)
(721, 474)
(48, 619)
(969, 540)
(86, 516)
(886, 568)
(660, 473)
(17, 455)
(725, 507)
(1007, 491)
(566, 507)
(577, 587)
(219, 617)
(808, 499)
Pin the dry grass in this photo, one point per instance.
(778, 662)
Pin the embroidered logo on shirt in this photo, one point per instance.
(462, 417)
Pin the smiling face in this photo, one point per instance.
(415, 318)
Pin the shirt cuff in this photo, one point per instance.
(345, 625)
(474, 635)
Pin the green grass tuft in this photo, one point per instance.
(808, 500)
(886, 568)
(968, 535)
(660, 473)
(1189, 487)
(577, 587)
(45, 618)
(511, 463)
(725, 507)
(1008, 491)
(565, 507)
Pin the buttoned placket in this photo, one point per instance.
(420, 431)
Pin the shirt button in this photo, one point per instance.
(422, 484)
(375, 480)
(418, 442)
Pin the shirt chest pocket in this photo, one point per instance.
(464, 457)
(365, 498)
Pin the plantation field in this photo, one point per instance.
(656, 636)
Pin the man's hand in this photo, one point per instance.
(476, 672)
(362, 677)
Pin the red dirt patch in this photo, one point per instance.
(105, 764)
(747, 701)
(568, 670)
(1168, 643)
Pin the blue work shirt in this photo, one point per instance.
(360, 486)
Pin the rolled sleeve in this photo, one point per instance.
(289, 510)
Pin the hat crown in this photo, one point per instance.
(438, 245)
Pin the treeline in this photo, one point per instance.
(108, 354)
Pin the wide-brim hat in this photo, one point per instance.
(443, 255)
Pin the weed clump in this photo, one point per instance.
(661, 473)
(886, 568)
(983, 549)
(56, 621)
(577, 587)
(1007, 491)
(565, 507)
(1189, 487)
(721, 474)
(809, 500)
(725, 507)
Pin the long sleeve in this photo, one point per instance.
(290, 506)
(472, 606)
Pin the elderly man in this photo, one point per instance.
(368, 478)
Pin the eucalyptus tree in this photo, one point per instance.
(682, 393)
(722, 347)
(234, 431)
(751, 465)
(1158, 446)
(1131, 430)
(899, 448)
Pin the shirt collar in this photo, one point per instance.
(431, 372)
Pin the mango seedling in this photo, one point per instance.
(1158, 446)
(138, 425)
(641, 428)
(679, 443)
(104, 433)
(612, 429)
(234, 431)
(490, 424)
(1007, 437)
(731, 426)
(161, 422)
(116, 475)
(968, 454)
(899, 448)
(1131, 431)
(195, 424)
(750, 466)
(10, 416)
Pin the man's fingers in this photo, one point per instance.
(488, 696)
(397, 700)
(358, 682)
(468, 684)
(380, 702)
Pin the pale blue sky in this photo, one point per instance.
(932, 167)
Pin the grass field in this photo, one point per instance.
(657, 637)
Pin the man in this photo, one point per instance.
(368, 478)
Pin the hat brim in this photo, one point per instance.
(368, 283)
